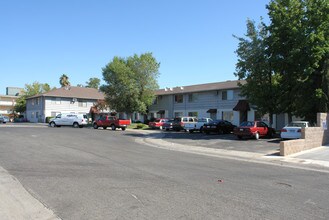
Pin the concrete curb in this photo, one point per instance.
(155, 139)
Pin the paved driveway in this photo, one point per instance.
(224, 141)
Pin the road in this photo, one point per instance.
(104, 174)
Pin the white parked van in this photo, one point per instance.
(69, 119)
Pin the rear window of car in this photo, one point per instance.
(297, 124)
(247, 124)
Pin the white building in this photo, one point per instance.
(63, 100)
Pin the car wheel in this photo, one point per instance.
(104, 127)
(95, 126)
(167, 129)
(113, 127)
(191, 131)
(52, 124)
(123, 129)
(201, 129)
(257, 136)
(239, 137)
(220, 131)
(75, 125)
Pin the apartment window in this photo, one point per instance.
(192, 97)
(155, 101)
(227, 115)
(193, 114)
(178, 114)
(32, 115)
(32, 101)
(82, 104)
(227, 95)
(178, 98)
(37, 101)
(37, 114)
(57, 101)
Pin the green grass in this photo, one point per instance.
(139, 126)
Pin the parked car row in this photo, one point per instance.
(80, 120)
(253, 129)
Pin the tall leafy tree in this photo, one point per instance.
(294, 52)
(298, 44)
(30, 90)
(131, 82)
(64, 80)
(254, 66)
(93, 83)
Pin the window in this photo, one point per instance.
(37, 114)
(227, 95)
(32, 115)
(228, 116)
(32, 100)
(178, 114)
(57, 101)
(192, 97)
(193, 114)
(178, 98)
(37, 101)
(155, 101)
(82, 104)
(224, 95)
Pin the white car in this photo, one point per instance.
(293, 129)
(70, 119)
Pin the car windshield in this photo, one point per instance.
(247, 124)
(297, 124)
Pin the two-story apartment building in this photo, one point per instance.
(220, 100)
(8, 101)
(63, 100)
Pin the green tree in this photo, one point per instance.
(295, 51)
(64, 80)
(131, 82)
(93, 83)
(254, 66)
(30, 90)
(299, 45)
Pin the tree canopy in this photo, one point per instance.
(131, 82)
(93, 83)
(30, 90)
(292, 54)
(64, 80)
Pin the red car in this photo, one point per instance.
(158, 123)
(254, 129)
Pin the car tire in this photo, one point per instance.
(52, 124)
(95, 126)
(191, 131)
(220, 131)
(201, 129)
(113, 127)
(75, 124)
(239, 137)
(257, 136)
(167, 129)
(123, 129)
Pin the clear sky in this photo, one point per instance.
(192, 39)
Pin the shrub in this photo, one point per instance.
(48, 119)
(140, 126)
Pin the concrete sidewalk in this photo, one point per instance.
(314, 159)
(17, 203)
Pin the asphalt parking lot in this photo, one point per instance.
(224, 141)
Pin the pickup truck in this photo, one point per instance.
(198, 125)
(105, 121)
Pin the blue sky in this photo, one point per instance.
(192, 39)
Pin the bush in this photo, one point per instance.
(141, 126)
(48, 119)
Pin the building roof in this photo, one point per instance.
(73, 92)
(201, 87)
